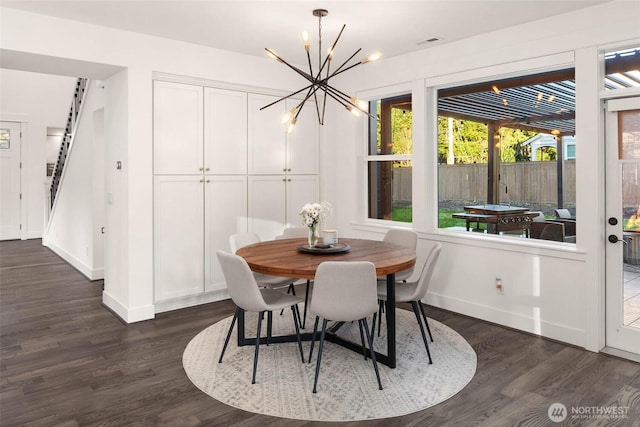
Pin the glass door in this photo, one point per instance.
(623, 224)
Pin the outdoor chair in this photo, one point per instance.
(563, 213)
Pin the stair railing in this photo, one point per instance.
(67, 139)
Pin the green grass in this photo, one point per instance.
(402, 213)
(445, 220)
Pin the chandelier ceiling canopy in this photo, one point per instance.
(319, 88)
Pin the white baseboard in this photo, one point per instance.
(128, 315)
(541, 327)
(190, 301)
(89, 272)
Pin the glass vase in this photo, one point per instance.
(313, 236)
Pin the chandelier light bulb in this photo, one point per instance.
(273, 55)
(330, 54)
(305, 39)
(291, 126)
(352, 110)
(362, 105)
(373, 57)
(290, 115)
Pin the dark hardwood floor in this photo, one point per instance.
(67, 361)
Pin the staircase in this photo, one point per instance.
(67, 139)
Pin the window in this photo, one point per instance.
(389, 159)
(506, 151)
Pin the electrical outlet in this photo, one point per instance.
(499, 286)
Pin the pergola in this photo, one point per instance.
(542, 103)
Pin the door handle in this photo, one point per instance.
(614, 239)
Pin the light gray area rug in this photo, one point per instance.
(347, 387)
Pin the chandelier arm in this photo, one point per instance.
(346, 98)
(335, 73)
(345, 63)
(299, 107)
(324, 101)
(286, 97)
(315, 95)
(296, 69)
(332, 47)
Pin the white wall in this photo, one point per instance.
(40, 101)
(76, 217)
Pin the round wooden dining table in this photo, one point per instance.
(285, 259)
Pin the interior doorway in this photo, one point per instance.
(10, 181)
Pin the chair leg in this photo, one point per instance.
(226, 341)
(380, 311)
(364, 348)
(297, 311)
(424, 316)
(416, 311)
(290, 290)
(324, 328)
(313, 338)
(296, 322)
(373, 354)
(255, 356)
(306, 300)
(269, 326)
(373, 326)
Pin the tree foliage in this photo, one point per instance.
(470, 142)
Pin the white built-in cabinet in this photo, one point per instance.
(221, 166)
(283, 168)
(200, 185)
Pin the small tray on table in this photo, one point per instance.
(325, 249)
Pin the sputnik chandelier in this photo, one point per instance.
(319, 88)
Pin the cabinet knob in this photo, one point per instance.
(284, 169)
(202, 180)
(207, 169)
(289, 180)
(284, 180)
(208, 181)
(201, 169)
(289, 170)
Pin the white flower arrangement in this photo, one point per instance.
(313, 213)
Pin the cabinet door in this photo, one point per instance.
(267, 205)
(301, 189)
(266, 136)
(178, 228)
(302, 144)
(177, 128)
(225, 214)
(225, 132)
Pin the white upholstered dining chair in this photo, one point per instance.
(401, 237)
(344, 292)
(247, 296)
(240, 240)
(414, 292)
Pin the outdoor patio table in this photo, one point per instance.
(282, 258)
(499, 217)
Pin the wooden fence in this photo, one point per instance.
(521, 182)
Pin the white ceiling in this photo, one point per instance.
(392, 27)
